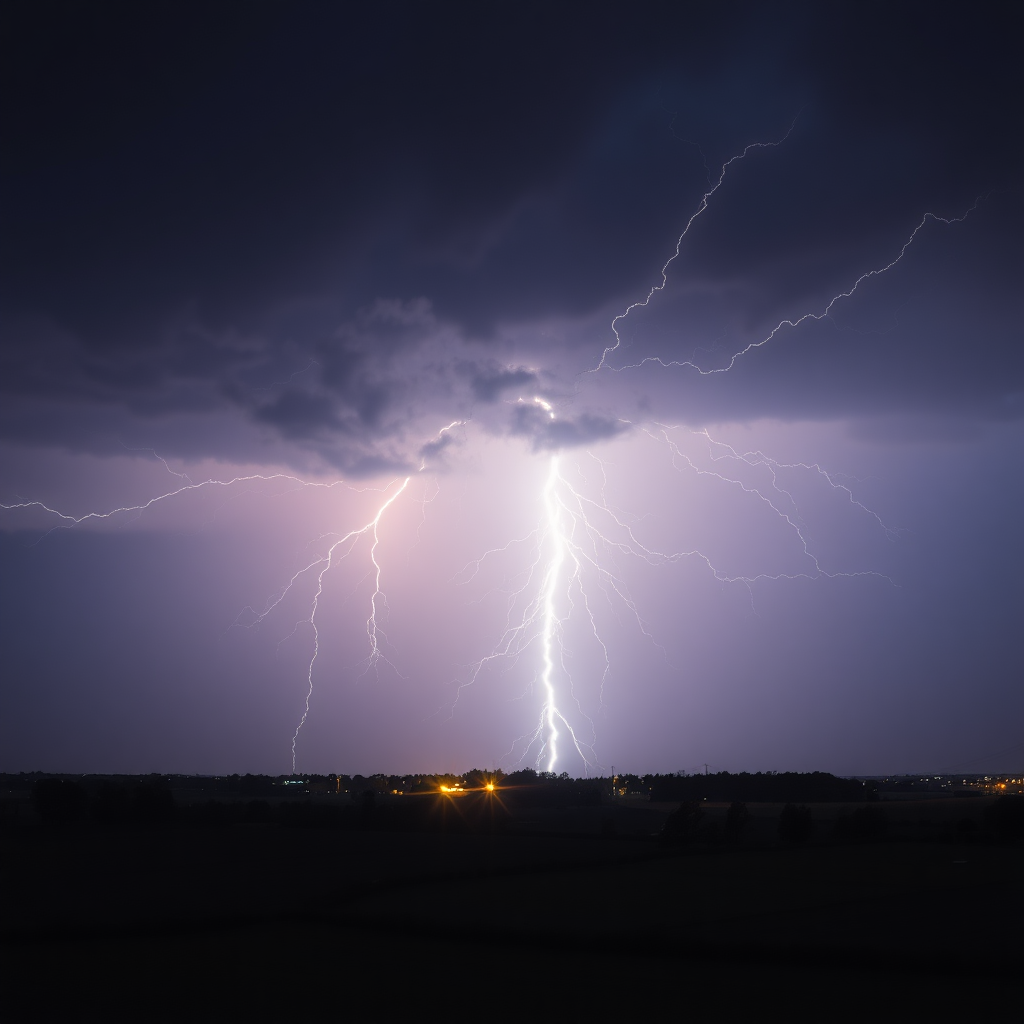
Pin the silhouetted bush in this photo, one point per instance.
(152, 803)
(796, 824)
(58, 800)
(966, 828)
(255, 785)
(527, 788)
(303, 815)
(257, 811)
(736, 820)
(147, 803)
(760, 787)
(210, 812)
(681, 825)
(1006, 818)
(865, 824)
(112, 804)
(367, 806)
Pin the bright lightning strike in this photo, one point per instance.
(567, 521)
(572, 575)
(572, 582)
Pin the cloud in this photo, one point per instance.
(299, 414)
(548, 434)
(488, 387)
(255, 270)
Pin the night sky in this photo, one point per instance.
(333, 248)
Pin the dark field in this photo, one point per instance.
(578, 912)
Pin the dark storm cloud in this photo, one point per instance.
(547, 434)
(299, 414)
(201, 207)
(488, 387)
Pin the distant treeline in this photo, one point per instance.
(749, 787)
(760, 787)
(514, 803)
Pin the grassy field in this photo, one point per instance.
(245, 920)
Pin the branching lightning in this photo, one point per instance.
(701, 207)
(575, 547)
(340, 548)
(376, 636)
(374, 633)
(68, 521)
(572, 573)
(570, 517)
(793, 323)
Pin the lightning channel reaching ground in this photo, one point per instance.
(571, 574)
(540, 617)
(571, 570)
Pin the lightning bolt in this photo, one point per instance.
(68, 521)
(339, 549)
(540, 615)
(701, 207)
(791, 518)
(571, 571)
(793, 323)
(374, 632)
(572, 574)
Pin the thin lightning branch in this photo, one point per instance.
(157, 455)
(702, 206)
(339, 549)
(825, 313)
(793, 521)
(758, 458)
(70, 520)
(373, 630)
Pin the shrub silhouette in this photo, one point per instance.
(367, 806)
(57, 800)
(152, 802)
(736, 820)
(795, 824)
(1006, 818)
(112, 804)
(682, 824)
(865, 824)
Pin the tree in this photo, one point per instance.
(736, 820)
(796, 824)
(1006, 817)
(681, 825)
(866, 823)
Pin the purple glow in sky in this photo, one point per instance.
(601, 395)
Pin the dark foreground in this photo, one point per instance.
(576, 915)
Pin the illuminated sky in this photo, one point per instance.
(350, 247)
